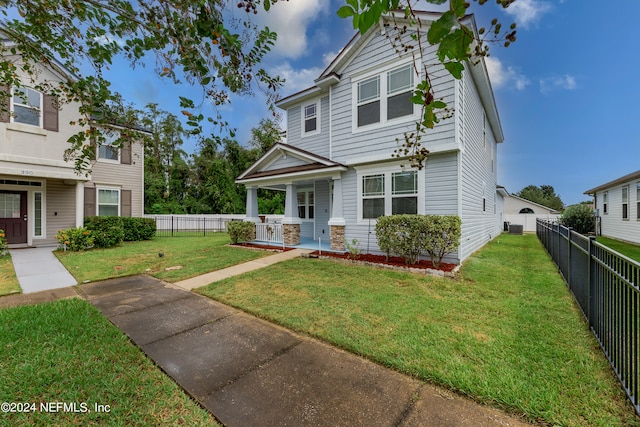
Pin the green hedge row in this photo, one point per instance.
(110, 231)
(410, 236)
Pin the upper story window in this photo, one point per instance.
(384, 97)
(27, 106)
(310, 118)
(625, 202)
(106, 150)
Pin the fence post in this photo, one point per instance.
(171, 225)
(569, 229)
(591, 273)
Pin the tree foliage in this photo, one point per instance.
(457, 45)
(192, 41)
(544, 195)
(580, 217)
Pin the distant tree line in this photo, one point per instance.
(544, 195)
(203, 182)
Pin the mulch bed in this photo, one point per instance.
(393, 261)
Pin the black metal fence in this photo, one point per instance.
(186, 225)
(605, 286)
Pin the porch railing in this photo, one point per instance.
(269, 232)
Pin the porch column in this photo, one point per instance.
(79, 203)
(337, 222)
(252, 205)
(291, 221)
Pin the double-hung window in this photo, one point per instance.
(638, 200)
(306, 205)
(625, 202)
(388, 193)
(384, 97)
(106, 150)
(108, 202)
(27, 106)
(310, 118)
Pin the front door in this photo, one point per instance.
(13, 215)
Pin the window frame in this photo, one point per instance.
(388, 191)
(303, 116)
(98, 204)
(638, 200)
(308, 205)
(383, 97)
(625, 203)
(109, 139)
(39, 109)
(605, 203)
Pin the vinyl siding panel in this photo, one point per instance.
(285, 163)
(60, 210)
(317, 143)
(611, 224)
(126, 177)
(322, 209)
(478, 180)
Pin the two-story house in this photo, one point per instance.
(337, 167)
(40, 192)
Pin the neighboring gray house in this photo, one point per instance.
(40, 193)
(519, 211)
(337, 169)
(617, 205)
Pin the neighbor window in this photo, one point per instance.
(625, 202)
(389, 193)
(638, 200)
(108, 202)
(310, 118)
(526, 211)
(305, 204)
(106, 150)
(384, 97)
(604, 202)
(27, 106)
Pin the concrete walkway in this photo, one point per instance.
(248, 372)
(214, 276)
(38, 269)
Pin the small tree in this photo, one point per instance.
(579, 217)
(442, 236)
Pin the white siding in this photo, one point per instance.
(281, 163)
(60, 209)
(612, 224)
(322, 209)
(317, 143)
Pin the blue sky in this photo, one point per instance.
(566, 91)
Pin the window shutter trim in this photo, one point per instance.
(50, 113)
(125, 202)
(89, 201)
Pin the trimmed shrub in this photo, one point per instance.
(3, 244)
(136, 229)
(107, 231)
(241, 231)
(410, 236)
(74, 239)
(579, 217)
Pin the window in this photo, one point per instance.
(10, 205)
(37, 213)
(625, 202)
(389, 193)
(305, 204)
(310, 118)
(638, 200)
(27, 104)
(604, 202)
(404, 193)
(106, 151)
(526, 211)
(384, 97)
(108, 202)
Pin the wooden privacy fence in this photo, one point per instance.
(604, 283)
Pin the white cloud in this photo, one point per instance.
(291, 20)
(296, 79)
(527, 12)
(564, 82)
(503, 77)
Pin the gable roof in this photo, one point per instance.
(314, 164)
(551, 210)
(331, 75)
(621, 180)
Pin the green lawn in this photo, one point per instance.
(189, 256)
(8, 280)
(506, 332)
(66, 351)
(632, 251)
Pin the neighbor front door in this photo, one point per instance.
(13, 215)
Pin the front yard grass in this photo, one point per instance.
(193, 256)
(8, 280)
(505, 332)
(68, 352)
(628, 249)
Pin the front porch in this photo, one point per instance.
(271, 234)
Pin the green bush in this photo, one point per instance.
(74, 239)
(107, 231)
(410, 236)
(241, 231)
(3, 244)
(136, 229)
(579, 217)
